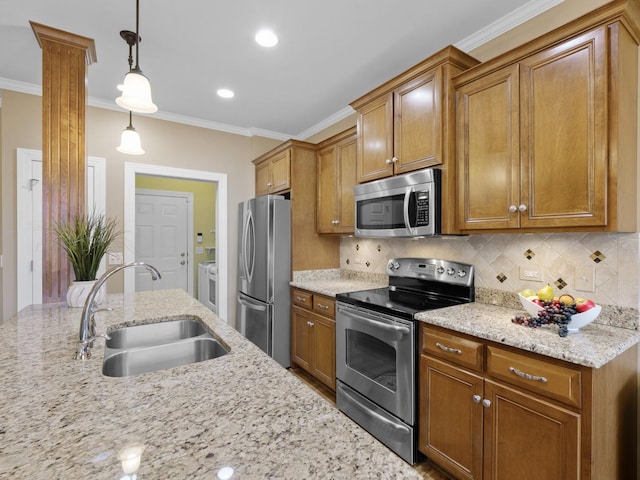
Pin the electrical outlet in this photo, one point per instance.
(531, 274)
(585, 280)
(199, 250)
(115, 258)
(357, 261)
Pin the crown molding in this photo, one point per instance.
(506, 23)
(326, 123)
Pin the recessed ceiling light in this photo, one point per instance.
(266, 38)
(225, 93)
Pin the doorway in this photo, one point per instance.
(164, 229)
(130, 172)
(29, 219)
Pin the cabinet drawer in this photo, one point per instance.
(456, 349)
(537, 375)
(324, 306)
(302, 299)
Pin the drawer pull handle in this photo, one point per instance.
(301, 299)
(310, 324)
(448, 349)
(527, 376)
(323, 307)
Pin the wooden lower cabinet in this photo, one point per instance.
(493, 412)
(313, 335)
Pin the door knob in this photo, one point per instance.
(182, 254)
(182, 262)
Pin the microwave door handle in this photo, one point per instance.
(405, 210)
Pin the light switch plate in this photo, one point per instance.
(531, 273)
(115, 258)
(199, 250)
(585, 280)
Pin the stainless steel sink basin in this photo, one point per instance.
(155, 333)
(158, 346)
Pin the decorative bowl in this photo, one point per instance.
(530, 307)
(578, 320)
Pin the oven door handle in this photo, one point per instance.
(390, 328)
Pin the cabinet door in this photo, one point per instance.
(324, 350)
(347, 152)
(263, 178)
(487, 151)
(564, 133)
(417, 126)
(300, 331)
(327, 194)
(375, 140)
(528, 439)
(450, 422)
(281, 171)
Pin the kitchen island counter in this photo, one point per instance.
(61, 418)
(593, 345)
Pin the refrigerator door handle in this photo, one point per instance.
(248, 246)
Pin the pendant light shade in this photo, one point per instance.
(136, 89)
(130, 141)
(136, 93)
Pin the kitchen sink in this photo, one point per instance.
(158, 346)
(155, 333)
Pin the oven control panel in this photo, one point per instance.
(431, 269)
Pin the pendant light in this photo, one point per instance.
(130, 142)
(136, 90)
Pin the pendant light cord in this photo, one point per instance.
(137, 34)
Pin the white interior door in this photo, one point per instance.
(162, 238)
(29, 219)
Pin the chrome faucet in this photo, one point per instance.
(88, 322)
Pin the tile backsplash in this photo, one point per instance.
(570, 262)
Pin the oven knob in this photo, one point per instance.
(390, 265)
(451, 271)
(396, 265)
(440, 269)
(462, 273)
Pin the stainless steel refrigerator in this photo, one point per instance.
(264, 269)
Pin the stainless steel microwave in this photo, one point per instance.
(401, 206)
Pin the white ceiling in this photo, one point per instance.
(330, 52)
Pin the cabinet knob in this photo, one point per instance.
(522, 208)
(476, 398)
(486, 403)
(394, 159)
(388, 161)
(513, 209)
(269, 184)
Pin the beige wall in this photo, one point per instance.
(166, 144)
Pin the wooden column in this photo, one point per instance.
(65, 57)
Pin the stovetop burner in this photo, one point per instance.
(416, 285)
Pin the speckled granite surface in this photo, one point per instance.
(593, 346)
(333, 281)
(61, 418)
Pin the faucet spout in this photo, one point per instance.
(87, 320)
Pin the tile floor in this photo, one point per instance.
(426, 469)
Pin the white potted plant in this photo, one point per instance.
(86, 239)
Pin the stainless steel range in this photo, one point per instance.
(377, 343)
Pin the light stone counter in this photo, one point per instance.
(592, 346)
(330, 282)
(61, 418)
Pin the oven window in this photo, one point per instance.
(372, 358)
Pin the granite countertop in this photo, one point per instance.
(61, 418)
(330, 282)
(592, 346)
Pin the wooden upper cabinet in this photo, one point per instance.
(544, 133)
(273, 174)
(418, 123)
(403, 124)
(488, 157)
(336, 179)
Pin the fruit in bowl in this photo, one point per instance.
(568, 313)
